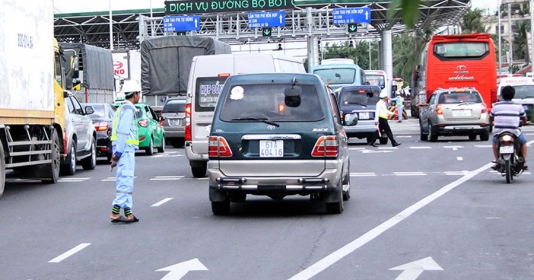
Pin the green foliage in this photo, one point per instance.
(359, 52)
(409, 11)
(472, 22)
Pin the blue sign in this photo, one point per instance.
(180, 23)
(266, 19)
(351, 15)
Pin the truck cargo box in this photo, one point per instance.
(166, 61)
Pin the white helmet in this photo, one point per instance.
(130, 86)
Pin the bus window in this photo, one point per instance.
(461, 50)
(336, 76)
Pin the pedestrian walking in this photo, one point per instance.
(125, 142)
(381, 120)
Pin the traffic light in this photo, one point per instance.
(266, 31)
(353, 28)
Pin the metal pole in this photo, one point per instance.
(370, 67)
(531, 35)
(499, 33)
(511, 57)
(110, 28)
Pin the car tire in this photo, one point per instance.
(422, 135)
(346, 182)
(150, 149)
(53, 169)
(89, 163)
(484, 136)
(335, 207)
(432, 133)
(70, 167)
(472, 137)
(162, 148)
(220, 208)
(199, 171)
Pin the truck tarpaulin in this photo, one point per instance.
(96, 64)
(166, 61)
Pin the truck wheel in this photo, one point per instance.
(53, 169)
(2, 170)
(89, 163)
(150, 149)
(199, 171)
(70, 167)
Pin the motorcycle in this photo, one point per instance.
(510, 160)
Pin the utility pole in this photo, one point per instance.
(110, 27)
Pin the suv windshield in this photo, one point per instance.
(267, 102)
(174, 106)
(358, 97)
(459, 97)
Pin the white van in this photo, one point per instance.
(524, 92)
(206, 79)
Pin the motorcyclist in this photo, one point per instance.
(506, 116)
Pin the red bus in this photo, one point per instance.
(456, 61)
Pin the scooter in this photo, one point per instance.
(510, 160)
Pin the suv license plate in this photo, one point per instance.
(461, 113)
(364, 116)
(271, 148)
(506, 149)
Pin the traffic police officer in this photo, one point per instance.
(125, 142)
(399, 101)
(381, 120)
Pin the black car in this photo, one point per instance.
(103, 122)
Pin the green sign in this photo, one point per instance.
(353, 27)
(222, 6)
(267, 32)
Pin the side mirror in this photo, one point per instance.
(89, 110)
(350, 119)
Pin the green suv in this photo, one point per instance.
(278, 134)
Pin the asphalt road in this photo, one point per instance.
(419, 211)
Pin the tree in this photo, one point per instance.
(520, 47)
(407, 49)
(472, 22)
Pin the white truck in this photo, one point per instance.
(126, 67)
(32, 117)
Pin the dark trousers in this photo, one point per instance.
(383, 125)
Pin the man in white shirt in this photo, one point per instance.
(381, 120)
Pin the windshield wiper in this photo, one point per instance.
(265, 120)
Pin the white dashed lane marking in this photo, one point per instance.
(69, 253)
(161, 202)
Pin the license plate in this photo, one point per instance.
(364, 116)
(271, 148)
(506, 149)
(461, 113)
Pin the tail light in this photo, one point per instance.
(507, 139)
(326, 146)
(484, 108)
(143, 123)
(218, 147)
(438, 109)
(281, 108)
(188, 122)
(101, 126)
(65, 143)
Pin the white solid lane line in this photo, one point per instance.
(69, 253)
(459, 158)
(161, 202)
(329, 260)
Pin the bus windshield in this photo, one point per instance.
(376, 80)
(336, 76)
(461, 50)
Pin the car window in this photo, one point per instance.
(268, 101)
(358, 97)
(432, 99)
(335, 108)
(77, 107)
(207, 93)
(100, 111)
(174, 106)
(139, 112)
(70, 107)
(459, 97)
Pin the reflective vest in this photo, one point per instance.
(400, 100)
(383, 110)
(114, 131)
